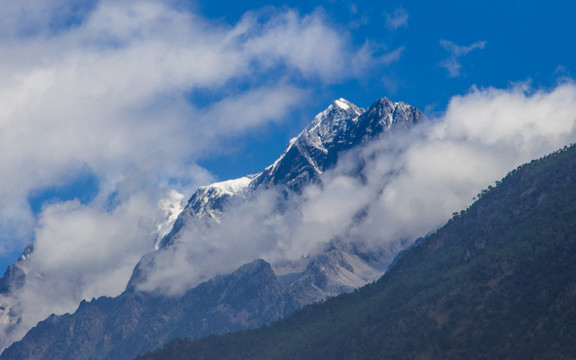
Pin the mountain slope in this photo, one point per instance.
(498, 281)
(135, 322)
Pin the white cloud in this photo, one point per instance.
(452, 63)
(399, 18)
(413, 182)
(483, 135)
(306, 44)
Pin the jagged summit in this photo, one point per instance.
(340, 127)
(344, 104)
(332, 120)
(322, 130)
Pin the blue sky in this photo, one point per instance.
(113, 103)
(523, 41)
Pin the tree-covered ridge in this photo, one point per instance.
(498, 281)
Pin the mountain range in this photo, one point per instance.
(498, 281)
(257, 293)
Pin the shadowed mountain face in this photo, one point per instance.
(133, 323)
(498, 281)
(256, 294)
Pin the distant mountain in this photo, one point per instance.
(333, 132)
(498, 281)
(138, 321)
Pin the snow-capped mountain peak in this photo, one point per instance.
(339, 111)
(336, 119)
(338, 128)
(321, 131)
(343, 104)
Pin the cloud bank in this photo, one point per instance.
(410, 184)
(133, 93)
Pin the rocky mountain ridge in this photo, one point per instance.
(333, 132)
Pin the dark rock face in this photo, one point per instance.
(136, 322)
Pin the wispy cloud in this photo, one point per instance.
(397, 19)
(452, 63)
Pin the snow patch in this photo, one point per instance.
(234, 186)
(342, 104)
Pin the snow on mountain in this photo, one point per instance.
(327, 125)
(231, 187)
(308, 154)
